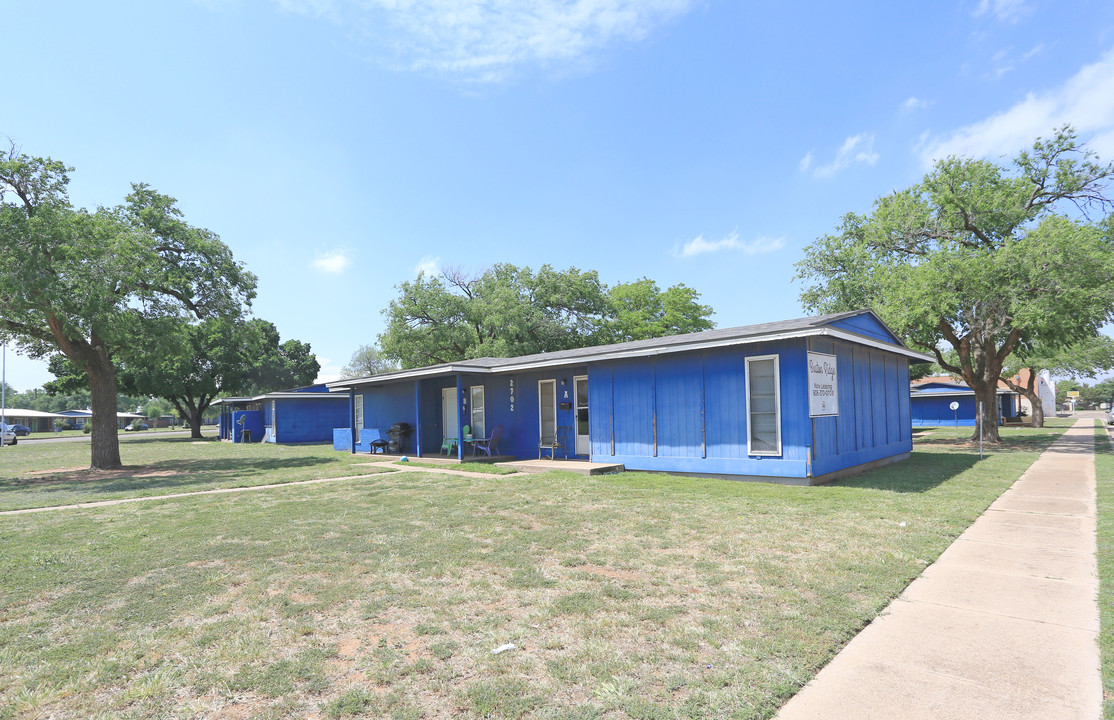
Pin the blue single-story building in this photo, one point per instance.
(800, 401)
(300, 415)
(930, 404)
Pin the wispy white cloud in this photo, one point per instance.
(857, 149)
(699, 246)
(1086, 101)
(1004, 10)
(806, 162)
(333, 262)
(914, 103)
(487, 40)
(430, 265)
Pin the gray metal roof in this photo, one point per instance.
(672, 343)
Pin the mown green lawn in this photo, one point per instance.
(1104, 478)
(37, 475)
(626, 596)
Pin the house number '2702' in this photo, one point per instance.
(512, 394)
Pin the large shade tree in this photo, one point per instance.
(204, 360)
(89, 283)
(979, 258)
(508, 311)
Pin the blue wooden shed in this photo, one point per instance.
(800, 401)
(930, 404)
(301, 415)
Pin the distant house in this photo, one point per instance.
(1046, 391)
(78, 418)
(301, 415)
(37, 420)
(799, 401)
(931, 402)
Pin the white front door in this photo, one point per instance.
(448, 413)
(582, 445)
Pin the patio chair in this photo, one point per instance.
(488, 445)
(554, 442)
(448, 445)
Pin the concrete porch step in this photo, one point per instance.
(580, 467)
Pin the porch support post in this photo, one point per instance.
(460, 417)
(352, 420)
(418, 417)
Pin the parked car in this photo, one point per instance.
(1110, 417)
(8, 434)
(136, 426)
(21, 430)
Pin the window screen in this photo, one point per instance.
(763, 406)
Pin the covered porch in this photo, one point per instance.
(466, 412)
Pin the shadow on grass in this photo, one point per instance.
(165, 475)
(922, 472)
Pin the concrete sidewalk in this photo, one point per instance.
(1003, 625)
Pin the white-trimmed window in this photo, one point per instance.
(478, 424)
(359, 408)
(763, 405)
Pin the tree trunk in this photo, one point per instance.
(1038, 411)
(195, 423)
(988, 395)
(1030, 393)
(104, 440)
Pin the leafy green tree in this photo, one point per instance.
(217, 356)
(979, 258)
(640, 311)
(89, 283)
(507, 311)
(274, 364)
(1083, 359)
(368, 360)
(156, 408)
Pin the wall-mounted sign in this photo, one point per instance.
(823, 385)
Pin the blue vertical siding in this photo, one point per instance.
(687, 412)
(725, 404)
(873, 420)
(307, 420)
(679, 397)
(633, 387)
(601, 416)
(929, 410)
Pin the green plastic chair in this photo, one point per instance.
(448, 445)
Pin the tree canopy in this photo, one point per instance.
(984, 259)
(90, 284)
(200, 361)
(368, 360)
(507, 311)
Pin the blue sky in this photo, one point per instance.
(339, 146)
